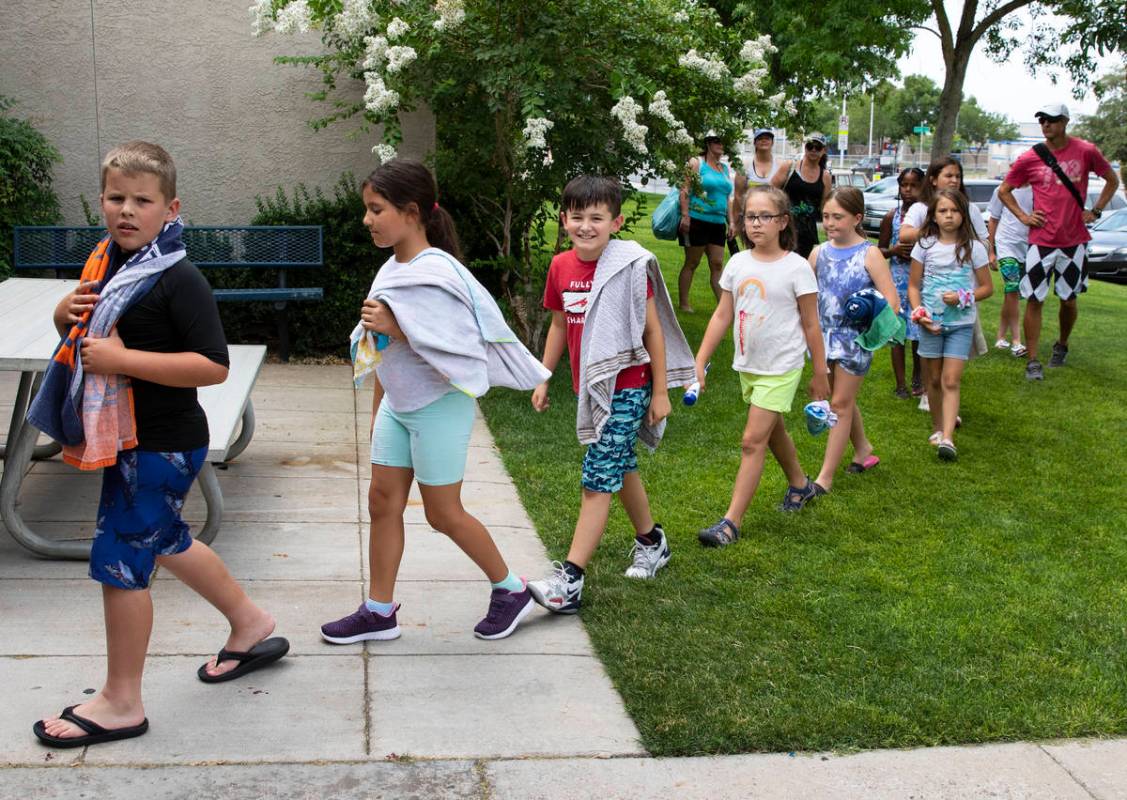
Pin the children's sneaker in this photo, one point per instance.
(1018, 349)
(1060, 353)
(361, 625)
(649, 558)
(924, 404)
(719, 534)
(1034, 371)
(947, 451)
(557, 592)
(506, 610)
(1002, 344)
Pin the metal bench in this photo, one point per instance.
(254, 247)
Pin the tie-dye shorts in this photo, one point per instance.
(139, 515)
(609, 459)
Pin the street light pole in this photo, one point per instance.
(872, 100)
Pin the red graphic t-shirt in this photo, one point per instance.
(1064, 227)
(567, 290)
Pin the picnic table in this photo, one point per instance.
(27, 342)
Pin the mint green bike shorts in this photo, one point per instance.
(432, 440)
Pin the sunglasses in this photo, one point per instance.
(814, 147)
(1043, 119)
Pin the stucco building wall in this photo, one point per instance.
(189, 76)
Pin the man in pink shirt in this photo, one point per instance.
(1058, 235)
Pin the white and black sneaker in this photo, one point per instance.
(558, 591)
(649, 558)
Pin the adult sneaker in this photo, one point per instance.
(557, 591)
(361, 625)
(649, 558)
(1034, 371)
(506, 610)
(1060, 353)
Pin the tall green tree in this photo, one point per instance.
(976, 125)
(527, 95)
(1107, 128)
(1064, 34)
(26, 194)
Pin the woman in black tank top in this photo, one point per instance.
(806, 182)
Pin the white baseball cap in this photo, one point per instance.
(1053, 110)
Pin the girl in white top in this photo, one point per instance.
(948, 278)
(769, 301)
(945, 173)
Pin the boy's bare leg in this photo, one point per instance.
(129, 621)
(443, 506)
(1067, 318)
(759, 429)
(205, 573)
(634, 500)
(387, 499)
(594, 510)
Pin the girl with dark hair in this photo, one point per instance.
(806, 182)
(704, 218)
(899, 254)
(949, 277)
(944, 173)
(443, 342)
(846, 264)
(770, 304)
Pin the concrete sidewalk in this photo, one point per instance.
(436, 713)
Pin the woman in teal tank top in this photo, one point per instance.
(705, 218)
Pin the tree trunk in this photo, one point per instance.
(950, 100)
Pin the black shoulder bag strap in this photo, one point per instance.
(1042, 150)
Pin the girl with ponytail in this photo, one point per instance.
(441, 342)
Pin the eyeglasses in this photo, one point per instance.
(762, 219)
(814, 147)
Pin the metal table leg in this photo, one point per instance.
(246, 431)
(29, 384)
(209, 485)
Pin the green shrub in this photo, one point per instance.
(26, 196)
(351, 260)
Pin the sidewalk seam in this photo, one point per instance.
(1069, 773)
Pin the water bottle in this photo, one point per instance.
(693, 392)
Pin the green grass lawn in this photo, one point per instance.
(921, 603)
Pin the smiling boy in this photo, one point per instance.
(594, 291)
(147, 331)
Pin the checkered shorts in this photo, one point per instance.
(1065, 268)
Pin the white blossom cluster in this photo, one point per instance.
(661, 108)
(261, 17)
(680, 17)
(451, 13)
(755, 49)
(749, 83)
(400, 56)
(295, 17)
(384, 152)
(535, 131)
(355, 18)
(666, 167)
(708, 65)
(626, 111)
(396, 28)
(376, 52)
(379, 99)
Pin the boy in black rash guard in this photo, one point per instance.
(163, 339)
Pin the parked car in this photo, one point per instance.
(856, 179)
(1107, 252)
(871, 165)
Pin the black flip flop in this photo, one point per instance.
(265, 652)
(95, 733)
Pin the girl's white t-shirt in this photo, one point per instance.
(917, 215)
(767, 329)
(943, 272)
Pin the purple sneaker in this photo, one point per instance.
(360, 625)
(506, 610)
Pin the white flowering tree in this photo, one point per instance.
(528, 95)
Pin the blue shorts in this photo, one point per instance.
(432, 440)
(139, 515)
(948, 343)
(609, 459)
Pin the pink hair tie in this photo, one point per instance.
(435, 208)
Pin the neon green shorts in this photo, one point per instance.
(772, 392)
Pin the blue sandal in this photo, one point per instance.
(798, 496)
(721, 534)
